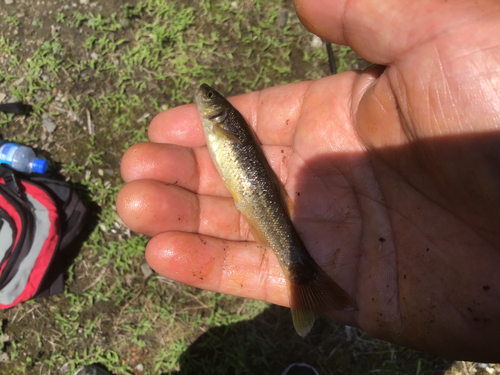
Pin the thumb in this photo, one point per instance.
(382, 31)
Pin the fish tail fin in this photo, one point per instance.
(316, 296)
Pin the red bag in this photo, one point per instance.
(39, 219)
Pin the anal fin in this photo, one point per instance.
(287, 200)
(257, 235)
(303, 320)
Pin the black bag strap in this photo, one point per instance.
(16, 108)
(6, 219)
(10, 178)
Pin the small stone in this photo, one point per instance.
(103, 228)
(129, 279)
(348, 333)
(49, 125)
(144, 116)
(84, 2)
(282, 18)
(9, 2)
(17, 82)
(234, 5)
(4, 357)
(100, 172)
(4, 338)
(2, 96)
(125, 23)
(12, 100)
(316, 42)
(65, 368)
(146, 270)
(139, 367)
(94, 56)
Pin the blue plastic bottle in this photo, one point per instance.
(22, 158)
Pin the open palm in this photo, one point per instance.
(394, 175)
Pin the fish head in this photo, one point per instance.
(212, 106)
(221, 121)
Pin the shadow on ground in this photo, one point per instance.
(268, 344)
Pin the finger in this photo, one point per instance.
(189, 168)
(180, 125)
(272, 113)
(152, 207)
(238, 268)
(382, 31)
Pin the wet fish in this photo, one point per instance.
(260, 196)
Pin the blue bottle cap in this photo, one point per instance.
(40, 165)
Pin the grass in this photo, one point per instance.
(101, 72)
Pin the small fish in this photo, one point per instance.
(260, 196)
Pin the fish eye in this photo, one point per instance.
(210, 94)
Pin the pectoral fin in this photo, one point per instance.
(219, 128)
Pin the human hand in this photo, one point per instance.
(397, 171)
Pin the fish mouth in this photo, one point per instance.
(200, 94)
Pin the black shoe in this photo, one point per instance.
(300, 369)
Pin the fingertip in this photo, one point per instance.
(322, 18)
(132, 205)
(157, 254)
(161, 162)
(133, 163)
(180, 125)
